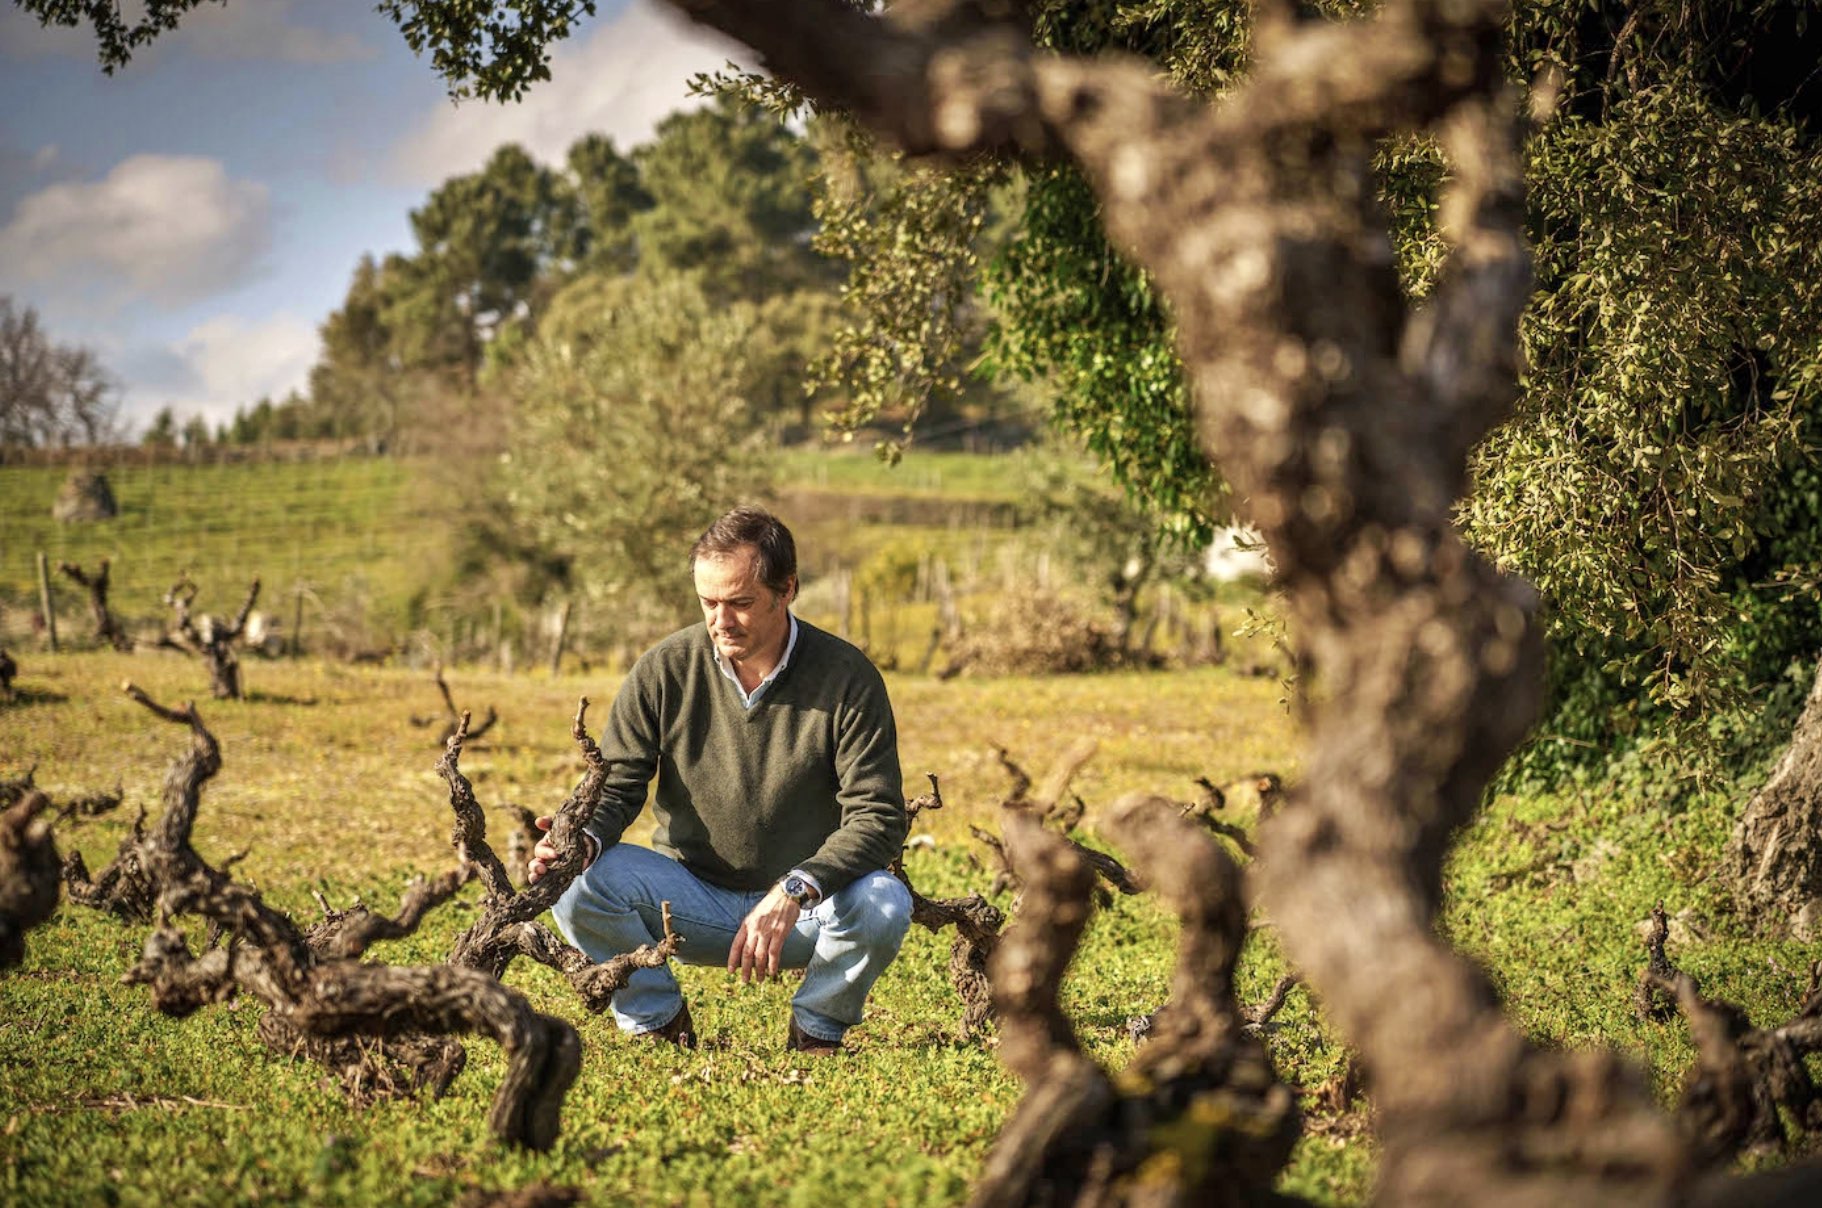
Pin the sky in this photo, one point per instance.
(196, 216)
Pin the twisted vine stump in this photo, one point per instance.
(977, 924)
(8, 671)
(508, 925)
(108, 629)
(146, 862)
(1745, 1081)
(1197, 1117)
(1048, 807)
(451, 717)
(380, 1029)
(209, 637)
(28, 873)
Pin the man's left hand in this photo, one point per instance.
(759, 943)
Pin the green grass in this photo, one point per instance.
(363, 537)
(338, 527)
(328, 786)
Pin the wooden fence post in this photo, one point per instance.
(44, 599)
(556, 646)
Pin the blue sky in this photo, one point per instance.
(194, 217)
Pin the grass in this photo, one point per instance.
(361, 537)
(329, 787)
(338, 527)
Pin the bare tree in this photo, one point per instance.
(1343, 416)
(50, 394)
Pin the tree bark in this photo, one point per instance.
(28, 873)
(1774, 857)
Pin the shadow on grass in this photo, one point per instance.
(279, 698)
(22, 697)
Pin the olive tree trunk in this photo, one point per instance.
(1775, 856)
(1343, 417)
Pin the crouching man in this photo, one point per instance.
(778, 803)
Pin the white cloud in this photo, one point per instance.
(619, 81)
(171, 229)
(257, 30)
(229, 362)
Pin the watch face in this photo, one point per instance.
(797, 889)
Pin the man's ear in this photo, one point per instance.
(790, 591)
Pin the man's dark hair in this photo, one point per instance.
(756, 527)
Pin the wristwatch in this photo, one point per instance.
(799, 890)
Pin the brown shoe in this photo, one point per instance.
(800, 1041)
(680, 1031)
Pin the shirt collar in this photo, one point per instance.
(749, 699)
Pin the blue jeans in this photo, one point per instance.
(843, 944)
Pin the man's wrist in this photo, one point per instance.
(801, 888)
(591, 848)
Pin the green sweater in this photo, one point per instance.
(807, 778)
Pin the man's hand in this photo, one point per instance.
(543, 854)
(759, 942)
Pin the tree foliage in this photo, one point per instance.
(633, 431)
(1653, 481)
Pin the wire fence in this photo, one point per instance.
(336, 530)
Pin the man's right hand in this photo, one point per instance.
(544, 853)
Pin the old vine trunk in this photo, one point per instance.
(1775, 855)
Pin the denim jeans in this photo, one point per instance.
(843, 944)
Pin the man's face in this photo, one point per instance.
(746, 618)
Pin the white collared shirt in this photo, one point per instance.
(749, 699)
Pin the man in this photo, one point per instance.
(779, 803)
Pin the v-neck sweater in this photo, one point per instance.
(808, 778)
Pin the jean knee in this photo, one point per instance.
(885, 909)
(563, 910)
(602, 886)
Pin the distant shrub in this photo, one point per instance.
(1041, 635)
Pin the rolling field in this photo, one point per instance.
(359, 537)
(333, 527)
(328, 787)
